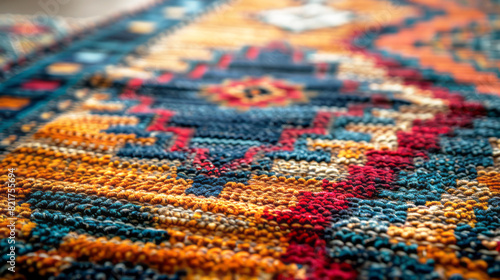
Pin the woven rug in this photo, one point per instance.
(257, 139)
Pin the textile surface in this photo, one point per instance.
(257, 139)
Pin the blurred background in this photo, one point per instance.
(67, 8)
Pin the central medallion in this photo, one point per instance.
(255, 92)
(306, 17)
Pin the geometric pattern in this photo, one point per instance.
(254, 92)
(193, 140)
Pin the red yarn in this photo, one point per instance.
(320, 266)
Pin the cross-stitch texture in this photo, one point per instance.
(257, 139)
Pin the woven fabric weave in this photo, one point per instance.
(257, 139)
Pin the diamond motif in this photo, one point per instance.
(255, 92)
(307, 17)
